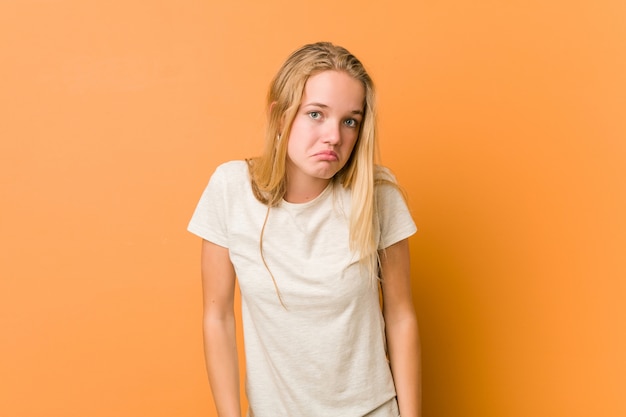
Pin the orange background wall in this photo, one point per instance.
(505, 122)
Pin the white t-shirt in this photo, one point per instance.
(325, 354)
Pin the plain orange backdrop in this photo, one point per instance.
(504, 121)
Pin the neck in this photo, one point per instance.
(301, 190)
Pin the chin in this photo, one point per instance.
(327, 175)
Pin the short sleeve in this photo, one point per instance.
(394, 216)
(209, 218)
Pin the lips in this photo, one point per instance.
(327, 155)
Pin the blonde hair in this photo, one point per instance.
(268, 172)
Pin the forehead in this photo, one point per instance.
(334, 89)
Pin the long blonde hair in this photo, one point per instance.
(268, 172)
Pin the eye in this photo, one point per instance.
(315, 115)
(351, 123)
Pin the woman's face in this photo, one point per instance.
(326, 127)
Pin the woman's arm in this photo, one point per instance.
(220, 347)
(401, 327)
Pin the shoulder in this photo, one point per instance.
(385, 182)
(236, 167)
(393, 212)
(386, 187)
(231, 172)
(227, 178)
(383, 175)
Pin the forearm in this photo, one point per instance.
(220, 350)
(404, 354)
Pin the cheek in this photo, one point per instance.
(351, 139)
(354, 145)
(301, 136)
(294, 145)
(290, 148)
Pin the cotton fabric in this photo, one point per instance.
(324, 353)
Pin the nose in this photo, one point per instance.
(332, 134)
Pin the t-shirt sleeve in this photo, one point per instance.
(394, 216)
(209, 220)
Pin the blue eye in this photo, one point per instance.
(351, 123)
(315, 115)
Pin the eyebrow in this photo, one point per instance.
(324, 106)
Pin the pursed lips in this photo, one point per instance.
(327, 155)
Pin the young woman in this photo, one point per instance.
(314, 231)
